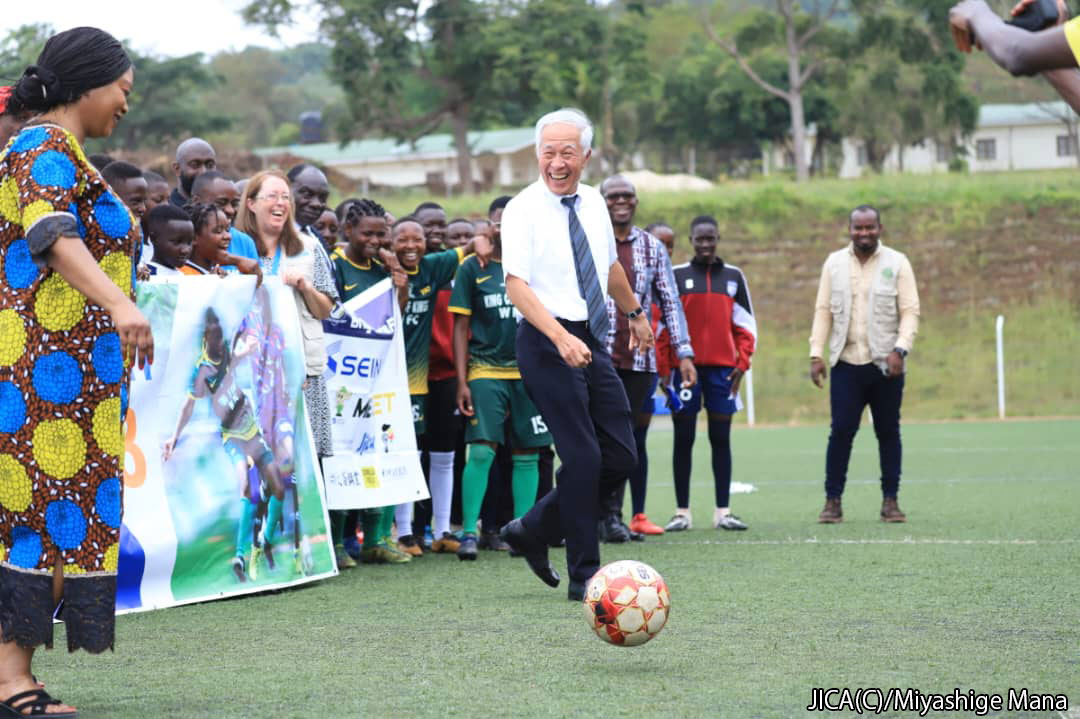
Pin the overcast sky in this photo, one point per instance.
(174, 28)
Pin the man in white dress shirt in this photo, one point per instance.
(560, 262)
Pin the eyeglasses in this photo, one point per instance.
(275, 196)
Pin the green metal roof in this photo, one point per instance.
(1033, 113)
(429, 146)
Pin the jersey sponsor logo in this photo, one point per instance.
(425, 290)
(485, 278)
(689, 283)
(732, 287)
(351, 287)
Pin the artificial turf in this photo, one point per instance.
(979, 590)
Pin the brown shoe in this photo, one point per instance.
(832, 513)
(890, 511)
(408, 544)
(446, 544)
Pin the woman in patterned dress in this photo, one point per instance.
(69, 331)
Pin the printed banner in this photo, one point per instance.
(222, 493)
(375, 463)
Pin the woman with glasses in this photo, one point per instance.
(266, 213)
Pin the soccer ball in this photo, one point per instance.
(627, 603)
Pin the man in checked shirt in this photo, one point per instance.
(647, 265)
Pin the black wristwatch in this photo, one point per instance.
(635, 313)
(900, 351)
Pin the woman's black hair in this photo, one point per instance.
(72, 63)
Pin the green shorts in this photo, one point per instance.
(419, 413)
(493, 401)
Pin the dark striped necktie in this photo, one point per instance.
(588, 283)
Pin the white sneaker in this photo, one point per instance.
(729, 521)
(679, 523)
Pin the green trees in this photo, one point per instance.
(905, 86)
(806, 41)
(404, 71)
(673, 80)
(165, 103)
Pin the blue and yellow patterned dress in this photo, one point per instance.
(63, 393)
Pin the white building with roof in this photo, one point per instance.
(1032, 136)
(499, 158)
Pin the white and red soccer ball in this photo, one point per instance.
(627, 603)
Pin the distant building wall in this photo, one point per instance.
(1036, 140)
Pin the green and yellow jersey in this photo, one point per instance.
(353, 278)
(480, 293)
(434, 271)
(1072, 35)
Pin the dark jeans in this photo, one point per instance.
(638, 386)
(852, 388)
(588, 416)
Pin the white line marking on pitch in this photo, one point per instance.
(875, 482)
(919, 450)
(904, 540)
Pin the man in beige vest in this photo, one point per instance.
(867, 313)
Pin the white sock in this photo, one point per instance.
(403, 519)
(719, 513)
(442, 491)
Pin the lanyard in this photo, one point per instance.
(277, 261)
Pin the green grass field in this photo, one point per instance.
(979, 591)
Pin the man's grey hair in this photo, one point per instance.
(567, 116)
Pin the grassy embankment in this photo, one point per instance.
(981, 245)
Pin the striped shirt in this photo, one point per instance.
(649, 273)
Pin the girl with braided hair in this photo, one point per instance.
(69, 334)
(358, 265)
(212, 240)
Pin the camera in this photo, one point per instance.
(1039, 15)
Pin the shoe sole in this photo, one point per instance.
(838, 520)
(733, 529)
(466, 556)
(893, 520)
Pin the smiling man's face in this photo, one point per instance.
(561, 158)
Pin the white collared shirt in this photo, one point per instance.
(536, 245)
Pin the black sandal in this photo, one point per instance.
(37, 701)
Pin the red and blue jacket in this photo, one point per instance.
(716, 301)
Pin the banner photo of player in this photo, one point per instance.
(222, 492)
(375, 461)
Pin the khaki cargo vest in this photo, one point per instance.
(883, 309)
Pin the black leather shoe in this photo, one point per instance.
(535, 553)
(613, 531)
(634, 536)
(576, 591)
